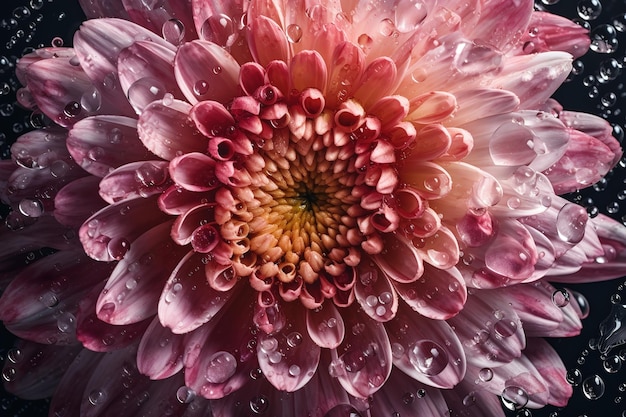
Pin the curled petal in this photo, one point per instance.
(432, 107)
(194, 172)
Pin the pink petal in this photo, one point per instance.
(325, 326)
(491, 333)
(34, 370)
(430, 180)
(133, 289)
(288, 358)
(194, 172)
(105, 233)
(426, 350)
(96, 335)
(439, 294)
(160, 352)
(146, 73)
(468, 399)
(474, 104)
(95, 143)
(377, 81)
(263, 31)
(432, 107)
(156, 18)
(205, 71)
(308, 70)
(585, 162)
(67, 396)
(374, 292)
(187, 300)
(41, 302)
(135, 180)
(400, 261)
(103, 8)
(363, 361)
(399, 395)
(551, 32)
(77, 201)
(501, 23)
(218, 361)
(167, 131)
(347, 65)
(550, 366)
(58, 89)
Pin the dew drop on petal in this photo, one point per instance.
(144, 91)
(514, 398)
(97, 397)
(593, 387)
(294, 33)
(485, 374)
(353, 360)
(612, 364)
(560, 297)
(409, 15)
(72, 109)
(222, 365)
(428, 357)
(173, 31)
(31, 207)
(200, 87)
(570, 223)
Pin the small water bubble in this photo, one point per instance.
(72, 109)
(30, 207)
(200, 87)
(222, 365)
(259, 405)
(66, 323)
(8, 374)
(428, 357)
(593, 387)
(57, 42)
(97, 397)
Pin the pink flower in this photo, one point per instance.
(302, 208)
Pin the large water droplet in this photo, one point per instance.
(222, 365)
(570, 223)
(173, 31)
(604, 39)
(612, 329)
(144, 91)
(514, 397)
(593, 387)
(409, 15)
(428, 357)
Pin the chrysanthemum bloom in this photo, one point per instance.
(294, 208)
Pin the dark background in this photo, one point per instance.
(28, 24)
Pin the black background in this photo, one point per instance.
(27, 24)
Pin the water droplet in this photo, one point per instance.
(294, 339)
(612, 364)
(514, 398)
(222, 365)
(570, 223)
(97, 397)
(471, 59)
(593, 387)
(294, 370)
(428, 357)
(185, 395)
(353, 361)
(294, 33)
(604, 39)
(66, 323)
(219, 29)
(259, 405)
(560, 297)
(589, 9)
(72, 109)
(8, 374)
(91, 101)
(409, 15)
(173, 31)
(31, 207)
(144, 91)
(201, 87)
(485, 374)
